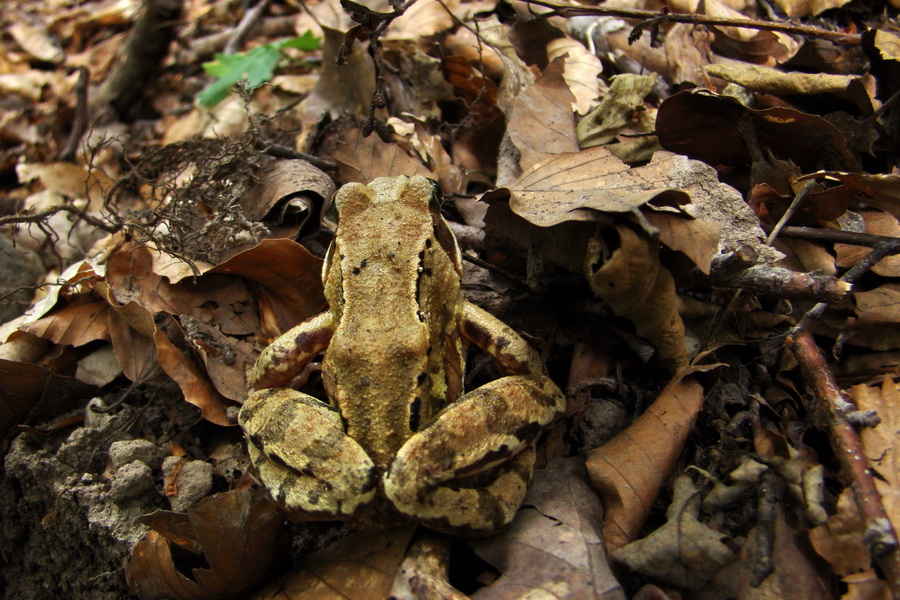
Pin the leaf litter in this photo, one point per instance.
(668, 201)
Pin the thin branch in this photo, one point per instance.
(880, 537)
(40, 217)
(79, 123)
(568, 10)
(834, 236)
(251, 17)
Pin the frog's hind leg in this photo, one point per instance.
(436, 477)
(304, 457)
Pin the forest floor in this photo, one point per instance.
(689, 210)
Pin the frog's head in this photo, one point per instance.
(416, 194)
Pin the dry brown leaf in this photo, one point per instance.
(574, 189)
(887, 44)
(362, 159)
(617, 109)
(29, 392)
(66, 179)
(422, 19)
(684, 551)
(649, 448)
(540, 121)
(796, 574)
(623, 268)
(81, 322)
(34, 38)
(582, 71)
(880, 191)
(703, 125)
(516, 74)
(866, 586)
(877, 223)
(840, 540)
(561, 188)
(240, 534)
(289, 275)
(556, 537)
(345, 89)
(361, 566)
(98, 368)
(806, 8)
(759, 78)
(806, 257)
(880, 443)
(194, 383)
(135, 351)
(288, 197)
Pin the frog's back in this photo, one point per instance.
(394, 291)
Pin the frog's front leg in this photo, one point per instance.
(286, 357)
(437, 476)
(304, 457)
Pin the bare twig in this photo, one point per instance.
(796, 203)
(784, 283)
(40, 217)
(881, 250)
(832, 235)
(568, 10)
(371, 25)
(880, 537)
(79, 123)
(251, 17)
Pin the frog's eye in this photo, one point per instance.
(437, 196)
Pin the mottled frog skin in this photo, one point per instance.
(397, 436)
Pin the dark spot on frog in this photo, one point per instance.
(311, 339)
(415, 408)
(528, 432)
(256, 440)
(312, 496)
(362, 265)
(365, 381)
(428, 243)
(476, 334)
(390, 255)
(371, 482)
(278, 461)
(502, 343)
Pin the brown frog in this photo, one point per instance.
(397, 434)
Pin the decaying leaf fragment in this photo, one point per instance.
(684, 551)
(361, 566)
(622, 267)
(554, 548)
(650, 448)
(239, 533)
(625, 95)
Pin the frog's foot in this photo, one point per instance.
(304, 457)
(437, 476)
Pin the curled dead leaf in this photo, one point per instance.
(556, 537)
(650, 448)
(240, 534)
(361, 566)
(288, 197)
(622, 267)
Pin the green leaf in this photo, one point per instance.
(306, 42)
(256, 67)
